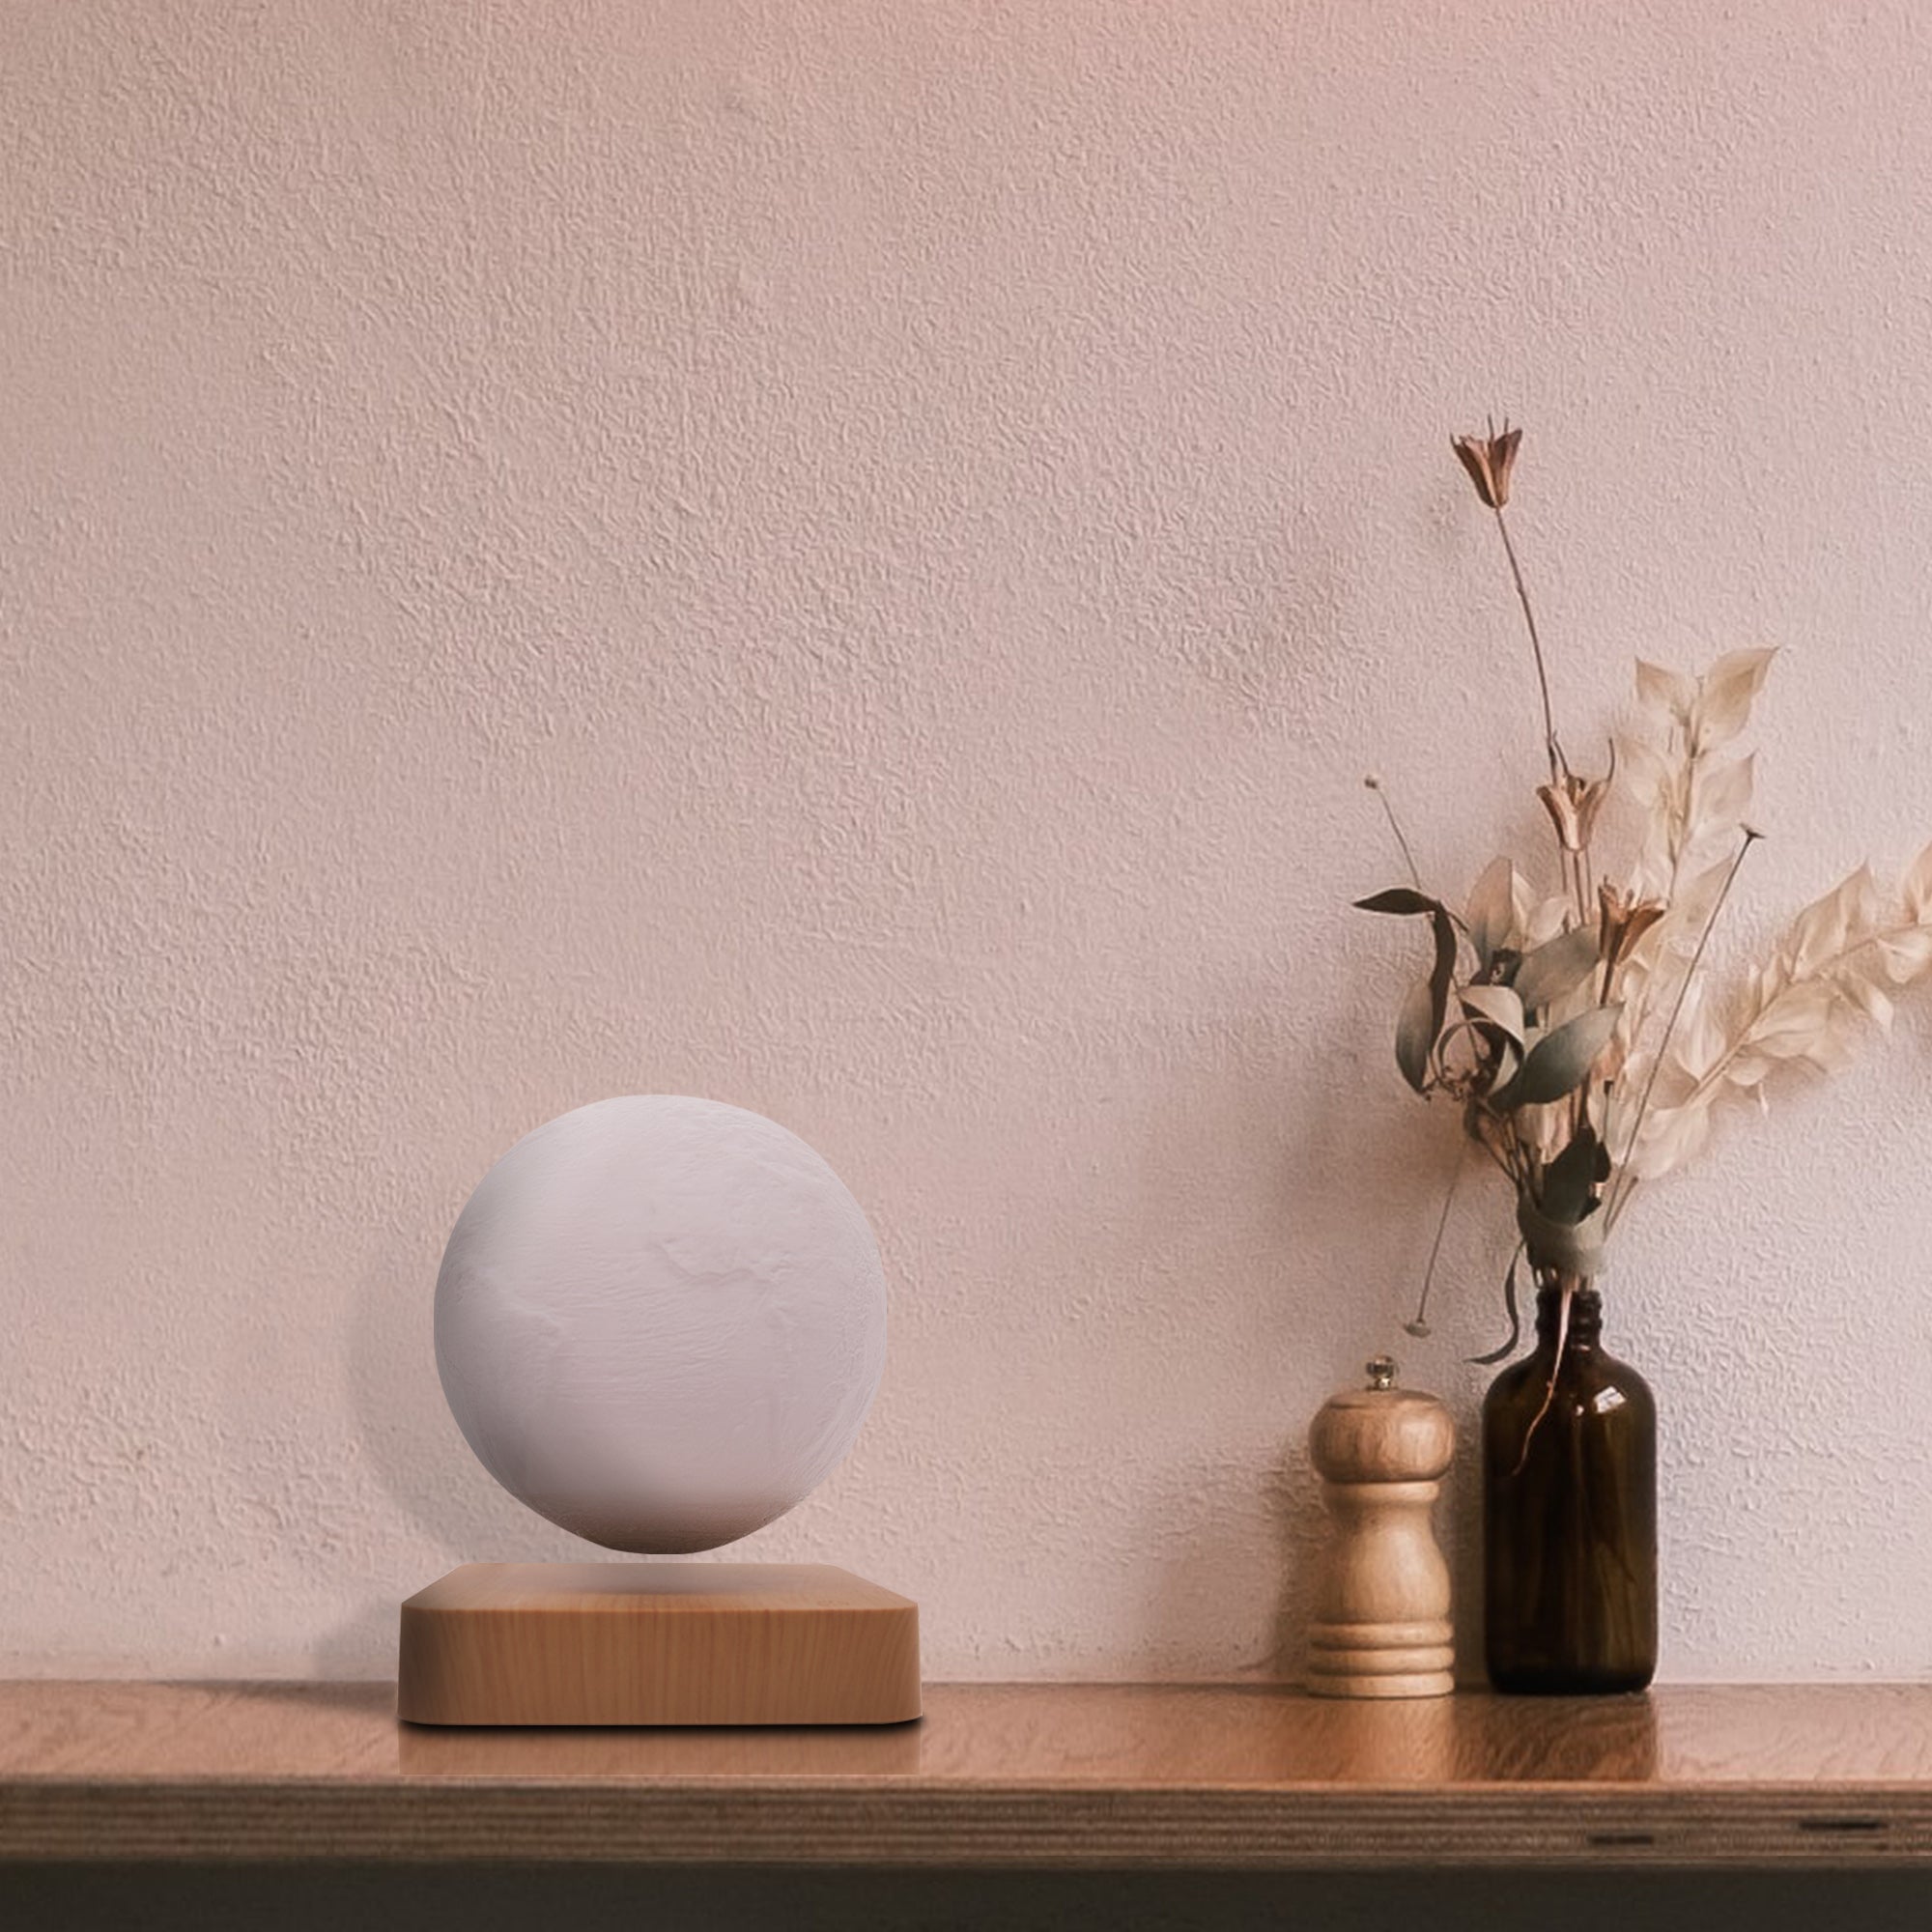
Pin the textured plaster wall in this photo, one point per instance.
(851, 558)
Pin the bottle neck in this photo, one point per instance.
(1586, 1318)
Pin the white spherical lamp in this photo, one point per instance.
(660, 1321)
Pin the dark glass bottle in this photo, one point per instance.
(1570, 1522)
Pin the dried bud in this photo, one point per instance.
(1573, 805)
(1621, 922)
(1489, 460)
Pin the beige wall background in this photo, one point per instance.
(851, 558)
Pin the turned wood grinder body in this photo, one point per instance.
(1380, 1623)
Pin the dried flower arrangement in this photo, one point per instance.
(1575, 1032)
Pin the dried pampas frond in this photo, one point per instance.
(1835, 969)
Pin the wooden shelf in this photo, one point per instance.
(1005, 1775)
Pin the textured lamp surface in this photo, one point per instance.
(660, 1321)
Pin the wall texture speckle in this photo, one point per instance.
(851, 558)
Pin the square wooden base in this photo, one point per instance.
(658, 1643)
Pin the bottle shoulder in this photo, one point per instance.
(1608, 1371)
(1517, 1376)
(1585, 1374)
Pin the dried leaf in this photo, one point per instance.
(1907, 953)
(1499, 1007)
(1694, 901)
(1724, 697)
(1699, 1041)
(1402, 900)
(1660, 855)
(1569, 1180)
(1835, 1047)
(1868, 999)
(1794, 1022)
(1671, 1136)
(1555, 969)
(1666, 691)
(1548, 917)
(1491, 914)
(1415, 1031)
(1719, 798)
(1827, 926)
(1562, 1248)
(1513, 1308)
(1523, 906)
(1917, 887)
(1560, 1062)
(1644, 770)
(1509, 1063)
(1540, 1130)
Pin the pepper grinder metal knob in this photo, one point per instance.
(1380, 1624)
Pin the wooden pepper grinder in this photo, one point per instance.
(1380, 1624)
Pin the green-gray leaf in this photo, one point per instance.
(1556, 967)
(1415, 1035)
(1508, 1349)
(1497, 1005)
(1509, 1063)
(1569, 1178)
(1561, 1060)
(1402, 902)
(1397, 899)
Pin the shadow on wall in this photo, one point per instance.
(362, 1646)
(1301, 1525)
(1235, 1539)
(1207, 1606)
(1238, 1137)
(418, 1454)
(412, 1443)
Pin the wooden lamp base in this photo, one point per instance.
(658, 1643)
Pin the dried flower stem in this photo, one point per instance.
(1625, 1184)
(1419, 1327)
(1568, 1285)
(1375, 784)
(1574, 865)
(1558, 765)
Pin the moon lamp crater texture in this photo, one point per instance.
(660, 1321)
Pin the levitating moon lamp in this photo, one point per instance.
(658, 1322)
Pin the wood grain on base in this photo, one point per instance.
(1012, 1775)
(658, 1643)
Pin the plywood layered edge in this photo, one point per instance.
(1040, 1775)
(1047, 1828)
